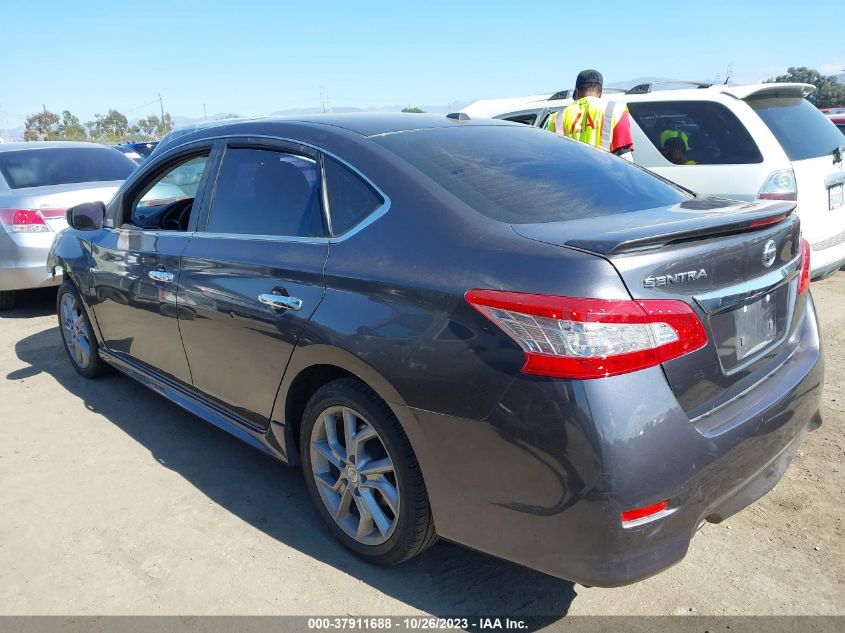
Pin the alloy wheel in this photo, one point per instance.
(75, 331)
(355, 475)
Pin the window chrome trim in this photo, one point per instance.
(374, 215)
(262, 238)
(324, 195)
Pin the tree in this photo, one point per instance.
(413, 110)
(829, 92)
(111, 127)
(41, 126)
(70, 129)
(153, 128)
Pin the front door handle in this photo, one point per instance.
(281, 302)
(160, 275)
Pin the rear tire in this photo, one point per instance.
(370, 493)
(78, 336)
(7, 299)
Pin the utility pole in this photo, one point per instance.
(163, 123)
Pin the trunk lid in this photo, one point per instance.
(736, 263)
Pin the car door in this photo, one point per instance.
(252, 275)
(136, 264)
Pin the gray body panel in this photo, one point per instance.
(549, 462)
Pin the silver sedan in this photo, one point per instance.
(38, 182)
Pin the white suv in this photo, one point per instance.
(742, 142)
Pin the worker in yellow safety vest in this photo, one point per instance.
(665, 135)
(594, 120)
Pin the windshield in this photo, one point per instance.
(522, 175)
(801, 129)
(63, 165)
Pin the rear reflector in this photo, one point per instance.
(804, 279)
(567, 337)
(24, 220)
(646, 511)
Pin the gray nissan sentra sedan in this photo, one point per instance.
(465, 329)
(38, 182)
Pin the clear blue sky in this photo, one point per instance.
(253, 57)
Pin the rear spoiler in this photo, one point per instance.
(794, 90)
(734, 218)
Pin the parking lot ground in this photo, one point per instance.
(114, 501)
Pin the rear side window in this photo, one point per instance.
(350, 198)
(267, 192)
(799, 127)
(524, 175)
(62, 166)
(695, 132)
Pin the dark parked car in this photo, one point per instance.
(138, 152)
(476, 330)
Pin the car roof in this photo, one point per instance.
(515, 105)
(495, 107)
(363, 124)
(9, 147)
(738, 92)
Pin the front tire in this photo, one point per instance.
(78, 337)
(7, 299)
(363, 475)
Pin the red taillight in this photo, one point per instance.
(804, 279)
(645, 511)
(53, 214)
(780, 185)
(579, 338)
(23, 221)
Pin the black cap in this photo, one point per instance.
(588, 77)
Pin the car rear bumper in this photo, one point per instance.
(543, 480)
(827, 256)
(23, 261)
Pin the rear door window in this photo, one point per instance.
(267, 192)
(351, 199)
(63, 166)
(695, 132)
(799, 127)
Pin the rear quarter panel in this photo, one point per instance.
(395, 296)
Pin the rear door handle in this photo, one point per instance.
(281, 302)
(160, 275)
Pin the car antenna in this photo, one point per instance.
(458, 116)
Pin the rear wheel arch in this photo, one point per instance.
(303, 378)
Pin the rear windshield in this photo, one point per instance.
(799, 127)
(524, 175)
(63, 165)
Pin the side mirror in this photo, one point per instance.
(87, 216)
